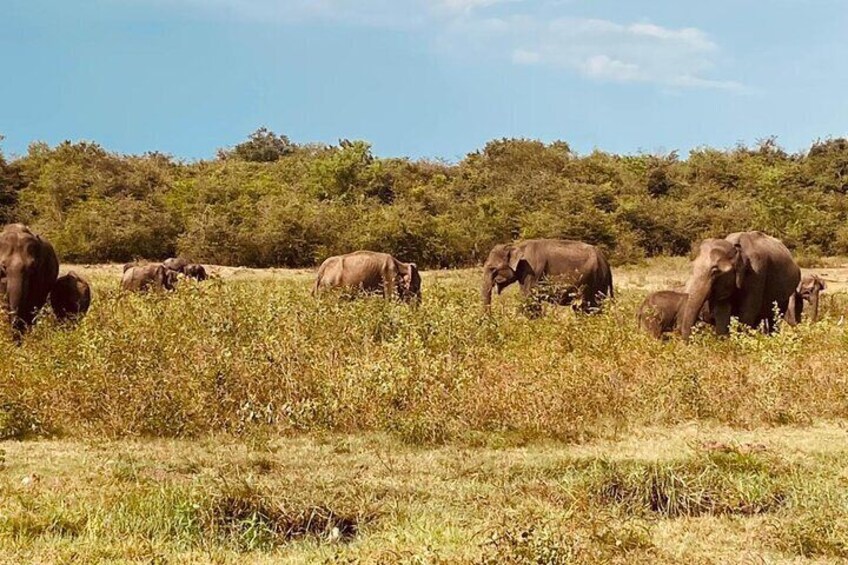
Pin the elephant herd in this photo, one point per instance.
(747, 275)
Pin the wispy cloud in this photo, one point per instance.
(516, 32)
(599, 49)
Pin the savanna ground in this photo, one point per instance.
(243, 421)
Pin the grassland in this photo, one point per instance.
(241, 420)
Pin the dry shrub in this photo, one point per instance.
(237, 357)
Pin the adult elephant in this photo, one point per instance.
(191, 270)
(370, 271)
(744, 275)
(578, 272)
(140, 278)
(177, 264)
(28, 269)
(70, 297)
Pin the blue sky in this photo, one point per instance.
(422, 78)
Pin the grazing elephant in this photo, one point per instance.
(579, 271)
(808, 291)
(662, 312)
(177, 264)
(28, 270)
(191, 270)
(196, 272)
(744, 275)
(371, 272)
(140, 278)
(70, 297)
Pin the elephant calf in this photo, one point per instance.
(370, 271)
(662, 311)
(140, 278)
(808, 291)
(70, 297)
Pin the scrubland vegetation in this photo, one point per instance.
(242, 420)
(271, 202)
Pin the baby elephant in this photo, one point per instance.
(808, 291)
(661, 312)
(140, 278)
(70, 297)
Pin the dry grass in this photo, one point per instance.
(369, 498)
(235, 355)
(242, 419)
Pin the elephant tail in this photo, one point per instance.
(317, 286)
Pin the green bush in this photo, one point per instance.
(271, 202)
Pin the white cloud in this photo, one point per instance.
(467, 6)
(599, 49)
(602, 67)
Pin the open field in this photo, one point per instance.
(243, 420)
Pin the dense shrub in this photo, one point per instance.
(271, 202)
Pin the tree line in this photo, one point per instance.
(271, 202)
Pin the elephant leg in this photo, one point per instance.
(752, 311)
(722, 318)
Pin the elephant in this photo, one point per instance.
(177, 264)
(140, 278)
(28, 269)
(808, 291)
(744, 275)
(370, 271)
(579, 270)
(70, 297)
(191, 270)
(196, 272)
(662, 312)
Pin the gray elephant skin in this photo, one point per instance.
(579, 271)
(661, 312)
(191, 270)
(371, 272)
(70, 297)
(808, 291)
(745, 275)
(141, 278)
(28, 269)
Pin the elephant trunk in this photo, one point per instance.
(814, 306)
(16, 292)
(697, 297)
(794, 310)
(486, 290)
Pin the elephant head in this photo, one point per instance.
(196, 272)
(409, 281)
(166, 278)
(808, 291)
(500, 270)
(718, 273)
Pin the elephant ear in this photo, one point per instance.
(515, 257)
(743, 265)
